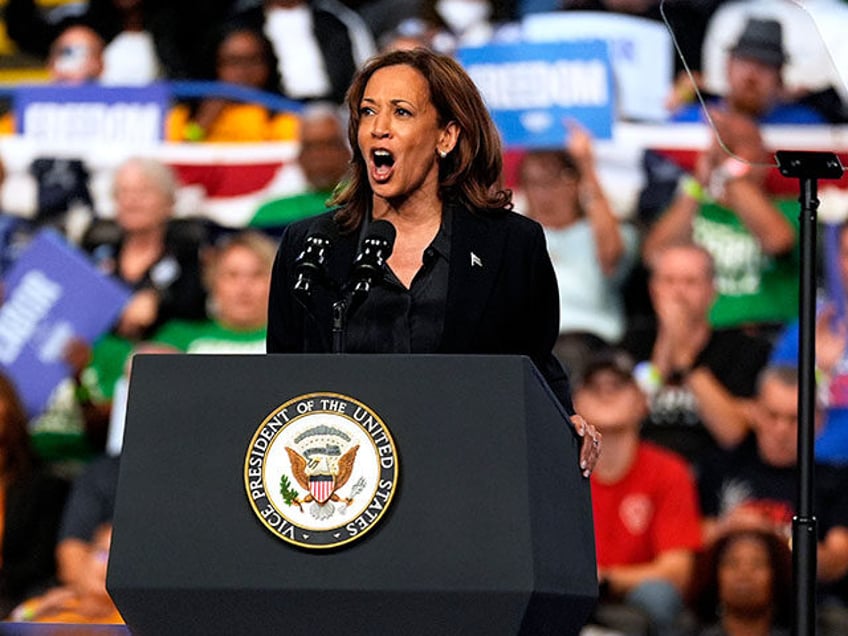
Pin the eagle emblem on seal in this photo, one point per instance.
(322, 467)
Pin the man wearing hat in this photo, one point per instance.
(755, 96)
(755, 80)
(644, 502)
(728, 204)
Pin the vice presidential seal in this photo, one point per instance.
(321, 470)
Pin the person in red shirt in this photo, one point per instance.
(644, 499)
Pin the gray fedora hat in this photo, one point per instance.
(761, 40)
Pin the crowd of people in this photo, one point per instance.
(677, 321)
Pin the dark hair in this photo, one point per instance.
(15, 435)
(224, 32)
(785, 374)
(705, 594)
(471, 174)
(560, 158)
(177, 33)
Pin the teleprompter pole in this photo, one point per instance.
(808, 168)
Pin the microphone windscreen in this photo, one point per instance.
(382, 230)
(324, 227)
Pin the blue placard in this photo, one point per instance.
(90, 113)
(833, 270)
(52, 293)
(531, 89)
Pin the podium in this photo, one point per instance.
(489, 530)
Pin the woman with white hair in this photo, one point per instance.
(157, 256)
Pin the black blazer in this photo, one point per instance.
(502, 293)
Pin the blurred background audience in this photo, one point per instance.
(318, 44)
(31, 504)
(83, 548)
(743, 585)
(678, 247)
(149, 250)
(241, 56)
(237, 276)
(754, 75)
(592, 250)
(752, 235)
(753, 486)
(323, 160)
(831, 352)
(647, 519)
(145, 39)
(692, 372)
(67, 604)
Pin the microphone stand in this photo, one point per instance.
(344, 307)
(367, 267)
(808, 167)
(339, 319)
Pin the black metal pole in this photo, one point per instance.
(808, 167)
(804, 536)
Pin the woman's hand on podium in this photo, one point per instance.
(590, 448)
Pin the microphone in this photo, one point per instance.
(310, 263)
(368, 265)
(367, 268)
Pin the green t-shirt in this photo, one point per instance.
(108, 359)
(110, 352)
(752, 287)
(208, 336)
(289, 209)
(58, 434)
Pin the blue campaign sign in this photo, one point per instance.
(52, 293)
(90, 114)
(531, 89)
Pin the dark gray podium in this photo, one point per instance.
(489, 532)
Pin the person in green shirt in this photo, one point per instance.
(751, 234)
(324, 158)
(237, 275)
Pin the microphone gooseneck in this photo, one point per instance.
(369, 263)
(368, 266)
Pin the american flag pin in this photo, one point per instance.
(475, 260)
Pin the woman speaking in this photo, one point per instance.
(464, 275)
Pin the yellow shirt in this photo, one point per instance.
(236, 123)
(7, 123)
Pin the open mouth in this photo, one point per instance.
(383, 162)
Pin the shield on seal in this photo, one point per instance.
(322, 487)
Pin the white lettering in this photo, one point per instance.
(120, 122)
(30, 302)
(541, 84)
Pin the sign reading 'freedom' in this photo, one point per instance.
(531, 89)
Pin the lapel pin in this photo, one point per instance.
(475, 260)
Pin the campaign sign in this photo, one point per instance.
(641, 52)
(531, 89)
(92, 114)
(52, 293)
